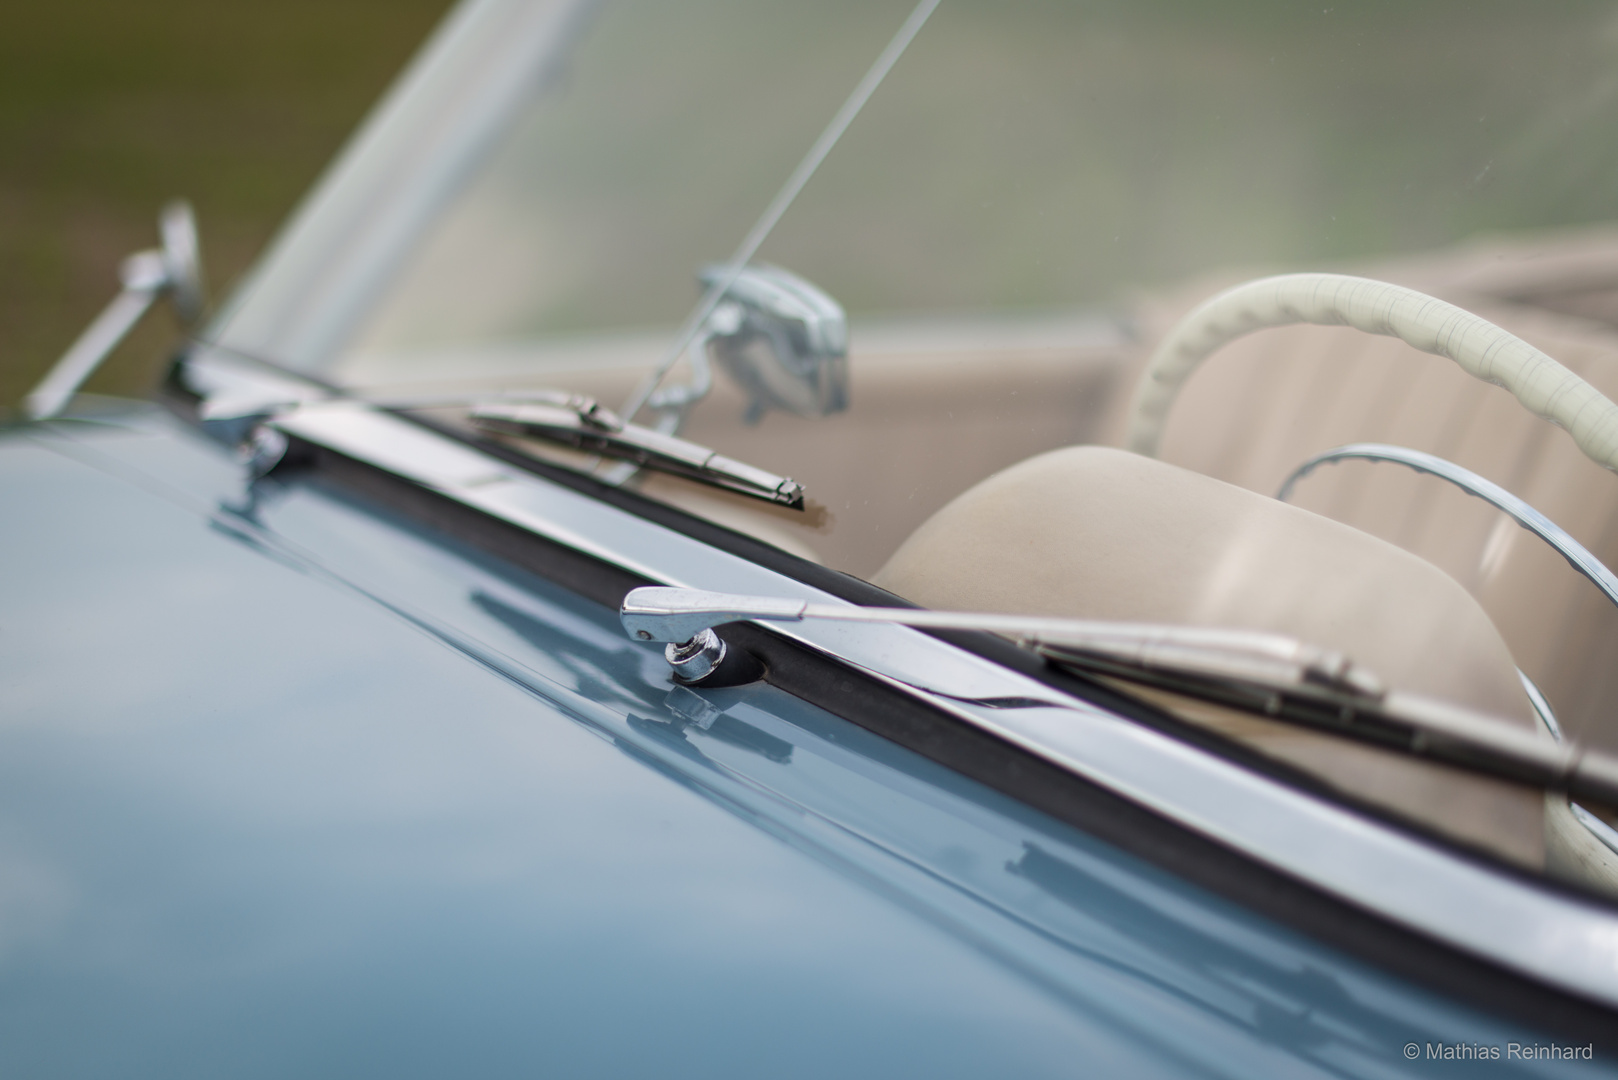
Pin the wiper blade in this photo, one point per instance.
(583, 423)
(1270, 674)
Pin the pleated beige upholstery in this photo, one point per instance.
(1265, 403)
(1093, 532)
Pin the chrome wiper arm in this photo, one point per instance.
(583, 423)
(1271, 674)
(1271, 660)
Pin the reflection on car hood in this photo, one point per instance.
(288, 785)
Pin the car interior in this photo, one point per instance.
(973, 476)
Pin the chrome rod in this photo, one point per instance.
(1286, 680)
(654, 613)
(80, 361)
(783, 199)
(1274, 660)
(174, 270)
(1578, 556)
(580, 422)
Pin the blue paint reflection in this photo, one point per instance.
(262, 819)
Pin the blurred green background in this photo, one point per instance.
(108, 109)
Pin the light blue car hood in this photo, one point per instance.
(289, 787)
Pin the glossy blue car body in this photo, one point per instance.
(323, 751)
(296, 785)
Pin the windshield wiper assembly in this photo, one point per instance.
(1271, 675)
(583, 423)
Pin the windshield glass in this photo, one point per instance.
(1036, 194)
(1024, 176)
(1035, 157)
(1026, 163)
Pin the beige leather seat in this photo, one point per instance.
(1094, 532)
(1265, 403)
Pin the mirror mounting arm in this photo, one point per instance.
(174, 270)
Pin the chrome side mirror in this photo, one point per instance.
(175, 270)
(784, 340)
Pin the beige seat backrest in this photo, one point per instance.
(1094, 532)
(1265, 403)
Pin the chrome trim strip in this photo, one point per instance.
(1592, 824)
(1561, 940)
(1542, 707)
(1578, 556)
(1598, 828)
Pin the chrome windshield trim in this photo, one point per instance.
(1577, 555)
(1552, 937)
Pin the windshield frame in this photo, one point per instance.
(339, 249)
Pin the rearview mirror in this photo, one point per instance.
(782, 339)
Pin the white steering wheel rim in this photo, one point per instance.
(1482, 349)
